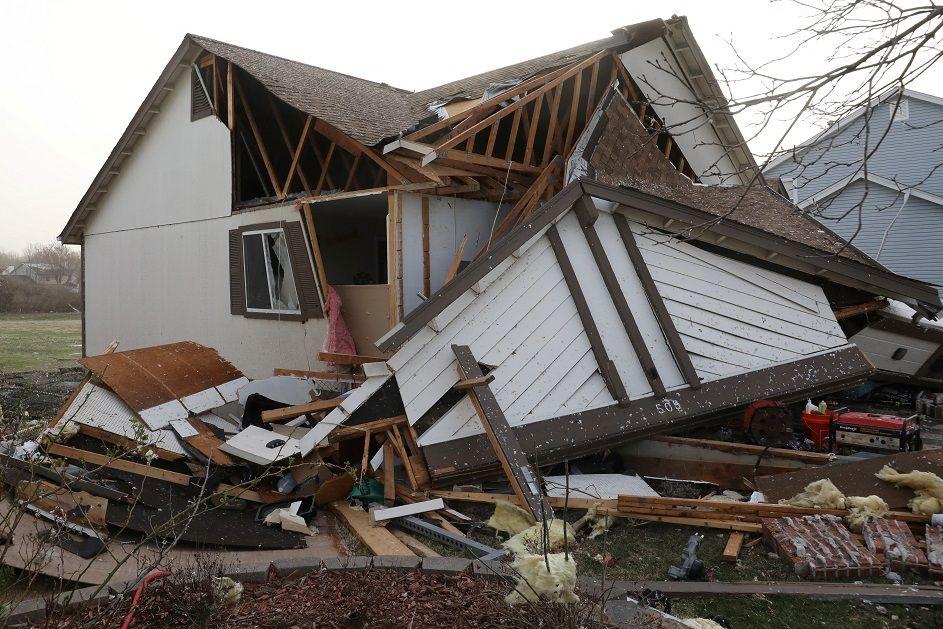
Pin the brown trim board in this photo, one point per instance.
(588, 431)
(890, 283)
(607, 368)
(502, 439)
(587, 214)
(675, 344)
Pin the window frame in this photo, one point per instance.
(268, 276)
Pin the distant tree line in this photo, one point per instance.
(44, 277)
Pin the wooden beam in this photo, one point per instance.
(732, 548)
(296, 156)
(574, 112)
(552, 129)
(333, 376)
(351, 176)
(585, 206)
(280, 123)
(389, 481)
(256, 134)
(672, 337)
(129, 444)
(316, 250)
(868, 306)
(324, 168)
(606, 367)
(377, 427)
(471, 383)
(426, 262)
(519, 210)
(517, 468)
(102, 460)
(532, 135)
(291, 412)
(512, 135)
(376, 538)
(230, 98)
(456, 261)
(348, 359)
(355, 148)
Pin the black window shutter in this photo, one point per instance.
(237, 286)
(302, 269)
(199, 102)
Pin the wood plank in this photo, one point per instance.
(586, 212)
(348, 359)
(389, 481)
(732, 548)
(377, 427)
(207, 443)
(453, 268)
(296, 156)
(389, 513)
(413, 544)
(574, 112)
(606, 367)
(656, 302)
(726, 525)
(256, 134)
(127, 442)
(376, 538)
(291, 412)
(321, 375)
(394, 437)
(868, 306)
(118, 464)
(471, 383)
(230, 98)
(520, 474)
(552, 129)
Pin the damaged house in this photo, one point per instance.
(600, 255)
(530, 265)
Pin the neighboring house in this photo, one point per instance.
(893, 209)
(42, 273)
(248, 189)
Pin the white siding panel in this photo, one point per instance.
(603, 311)
(880, 345)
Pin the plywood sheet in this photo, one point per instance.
(167, 382)
(857, 478)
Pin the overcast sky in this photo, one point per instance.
(75, 72)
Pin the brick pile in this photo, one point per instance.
(935, 550)
(892, 541)
(820, 547)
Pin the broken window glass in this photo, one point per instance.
(270, 285)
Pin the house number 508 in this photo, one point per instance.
(668, 406)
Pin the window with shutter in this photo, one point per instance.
(270, 273)
(200, 106)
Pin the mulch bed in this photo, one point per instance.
(334, 599)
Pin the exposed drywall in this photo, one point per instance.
(156, 252)
(450, 219)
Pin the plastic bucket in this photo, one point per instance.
(817, 427)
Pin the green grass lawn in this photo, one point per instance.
(39, 341)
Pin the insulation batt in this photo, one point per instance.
(927, 486)
(599, 522)
(862, 508)
(535, 580)
(529, 541)
(822, 494)
(509, 518)
(227, 591)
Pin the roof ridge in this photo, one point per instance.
(197, 37)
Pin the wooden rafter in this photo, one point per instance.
(355, 148)
(280, 123)
(255, 132)
(296, 156)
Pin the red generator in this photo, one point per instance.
(873, 432)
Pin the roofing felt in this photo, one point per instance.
(624, 154)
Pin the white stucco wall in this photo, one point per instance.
(157, 256)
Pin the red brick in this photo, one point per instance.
(892, 541)
(820, 547)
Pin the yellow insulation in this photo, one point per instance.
(535, 580)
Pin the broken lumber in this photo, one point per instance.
(321, 375)
(376, 538)
(502, 438)
(140, 469)
(471, 383)
(291, 412)
(413, 544)
(348, 359)
(733, 546)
